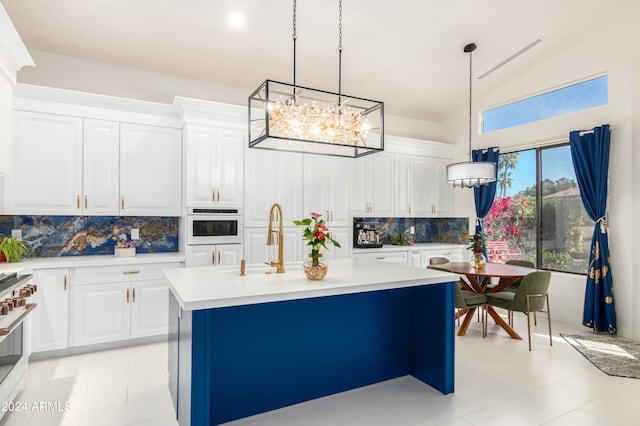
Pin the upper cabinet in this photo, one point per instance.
(372, 189)
(214, 166)
(78, 166)
(13, 56)
(326, 188)
(47, 154)
(150, 170)
(421, 189)
(272, 177)
(100, 168)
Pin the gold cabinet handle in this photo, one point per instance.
(218, 257)
(213, 257)
(78, 201)
(409, 208)
(65, 282)
(122, 202)
(213, 194)
(218, 191)
(86, 201)
(134, 295)
(130, 272)
(127, 295)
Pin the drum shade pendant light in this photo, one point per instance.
(471, 174)
(288, 117)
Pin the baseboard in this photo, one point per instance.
(97, 347)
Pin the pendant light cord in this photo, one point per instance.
(470, 86)
(340, 47)
(295, 37)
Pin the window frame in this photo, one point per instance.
(538, 237)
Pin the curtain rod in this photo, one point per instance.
(586, 132)
(546, 143)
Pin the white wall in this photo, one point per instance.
(614, 50)
(71, 73)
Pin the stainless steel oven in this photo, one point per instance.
(14, 328)
(214, 226)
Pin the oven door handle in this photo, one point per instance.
(28, 308)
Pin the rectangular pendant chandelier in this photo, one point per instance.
(287, 117)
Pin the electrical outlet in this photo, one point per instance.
(17, 234)
(135, 234)
(412, 230)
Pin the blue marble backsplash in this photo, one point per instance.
(427, 230)
(52, 236)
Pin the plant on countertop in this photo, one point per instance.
(478, 242)
(14, 250)
(318, 235)
(399, 238)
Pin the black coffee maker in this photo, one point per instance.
(366, 234)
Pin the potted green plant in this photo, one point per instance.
(14, 250)
(478, 245)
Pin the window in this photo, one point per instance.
(538, 211)
(587, 94)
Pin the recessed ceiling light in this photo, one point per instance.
(237, 20)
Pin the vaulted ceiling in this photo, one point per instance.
(407, 53)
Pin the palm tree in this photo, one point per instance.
(506, 163)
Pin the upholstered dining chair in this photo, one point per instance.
(530, 297)
(467, 299)
(513, 287)
(438, 260)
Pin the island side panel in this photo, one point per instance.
(256, 358)
(433, 335)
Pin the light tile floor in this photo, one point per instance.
(498, 382)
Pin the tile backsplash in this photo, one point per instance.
(52, 236)
(427, 230)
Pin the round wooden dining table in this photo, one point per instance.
(478, 279)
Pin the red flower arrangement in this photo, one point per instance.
(317, 233)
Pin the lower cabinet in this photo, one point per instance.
(50, 319)
(388, 256)
(118, 303)
(214, 255)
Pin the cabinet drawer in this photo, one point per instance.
(121, 273)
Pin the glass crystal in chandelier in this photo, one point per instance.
(292, 118)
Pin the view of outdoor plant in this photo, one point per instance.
(565, 229)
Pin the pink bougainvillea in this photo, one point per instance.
(510, 219)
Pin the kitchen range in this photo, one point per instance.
(14, 311)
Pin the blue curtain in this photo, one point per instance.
(485, 194)
(590, 155)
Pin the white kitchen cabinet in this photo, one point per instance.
(453, 253)
(344, 236)
(414, 258)
(420, 187)
(150, 170)
(372, 189)
(214, 255)
(50, 320)
(47, 154)
(100, 168)
(272, 177)
(326, 188)
(102, 313)
(257, 251)
(384, 256)
(214, 167)
(115, 303)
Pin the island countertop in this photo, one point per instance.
(217, 287)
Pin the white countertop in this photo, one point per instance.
(216, 287)
(420, 246)
(27, 266)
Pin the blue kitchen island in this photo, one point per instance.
(244, 345)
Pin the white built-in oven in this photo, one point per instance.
(14, 336)
(214, 226)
